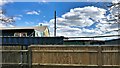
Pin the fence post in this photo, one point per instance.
(21, 58)
(29, 57)
(119, 55)
(99, 56)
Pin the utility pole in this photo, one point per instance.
(55, 24)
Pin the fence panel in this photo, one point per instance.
(78, 56)
(14, 57)
(54, 56)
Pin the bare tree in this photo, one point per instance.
(4, 19)
(115, 10)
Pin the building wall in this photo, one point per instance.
(32, 40)
(113, 42)
(11, 32)
(82, 42)
(46, 33)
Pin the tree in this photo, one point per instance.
(4, 19)
(115, 10)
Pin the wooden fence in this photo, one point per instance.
(14, 56)
(38, 56)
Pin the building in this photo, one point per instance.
(84, 42)
(113, 42)
(92, 42)
(39, 31)
(38, 35)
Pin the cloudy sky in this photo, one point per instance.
(74, 19)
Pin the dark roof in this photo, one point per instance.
(39, 28)
(84, 40)
(113, 40)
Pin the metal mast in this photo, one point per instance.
(55, 24)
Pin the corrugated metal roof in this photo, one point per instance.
(39, 28)
(84, 40)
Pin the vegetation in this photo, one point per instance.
(4, 20)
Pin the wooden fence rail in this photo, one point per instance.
(38, 56)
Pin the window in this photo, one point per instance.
(23, 34)
(20, 34)
(17, 34)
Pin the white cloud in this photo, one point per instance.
(4, 25)
(81, 17)
(16, 18)
(29, 23)
(74, 23)
(85, 13)
(33, 12)
(3, 2)
(115, 1)
(19, 15)
(44, 1)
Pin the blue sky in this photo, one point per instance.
(46, 10)
(73, 18)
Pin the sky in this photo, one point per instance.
(74, 19)
(34, 12)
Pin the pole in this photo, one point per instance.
(55, 24)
